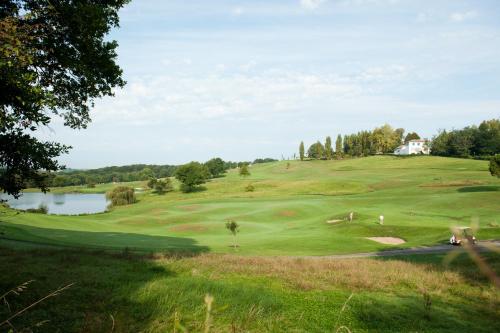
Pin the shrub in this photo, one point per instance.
(162, 186)
(495, 165)
(249, 188)
(121, 195)
(42, 209)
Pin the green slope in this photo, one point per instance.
(421, 198)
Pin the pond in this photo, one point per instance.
(60, 203)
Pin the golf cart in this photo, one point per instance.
(462, 234)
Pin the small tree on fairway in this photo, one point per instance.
(244, 170)
(301, 150)
(233, 228)
(495, 165)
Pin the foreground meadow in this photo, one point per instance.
(421, 197)
(124, 293)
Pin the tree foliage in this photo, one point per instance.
(316, 151)
(192, 175)
(338, 146)
(328, 148)
(216, 167)
(495, 165)
(54, 61)
(152, 182)
(411, 136)
(163, 186)
(244, 170)
(482, 140)
(233, 228)
(121, 195)
(301, 150)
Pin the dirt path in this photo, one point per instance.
(482, 245)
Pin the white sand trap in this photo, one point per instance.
(387, 240)
(333, 221)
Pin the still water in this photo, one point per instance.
(60, 203)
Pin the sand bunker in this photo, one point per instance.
(333, 221)
(387, 240)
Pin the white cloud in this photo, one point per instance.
(237, 96)
(463, 16)
(311, 4)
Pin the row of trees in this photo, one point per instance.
(470, 141)
(136, 172)
(194, 174)
(381, 140)
(126, 173)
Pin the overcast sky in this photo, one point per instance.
(248, 79)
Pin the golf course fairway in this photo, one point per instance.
(420, 197)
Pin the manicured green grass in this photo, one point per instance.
(421, 197)
(251, 294)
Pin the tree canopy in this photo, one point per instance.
(301, 150)
(328, 148)
(244, 170)
(316, 151)
(192, 175)
(482, 140)
(55, 60)
(121, 195)
(216, 166)
(411, 136)
(495, 165)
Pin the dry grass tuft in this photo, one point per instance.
(453, 183)
(329, 274)
(188, 227)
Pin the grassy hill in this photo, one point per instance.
(421, 197)
(119, 291)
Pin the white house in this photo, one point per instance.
(413, 147)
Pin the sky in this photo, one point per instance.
(247, 79)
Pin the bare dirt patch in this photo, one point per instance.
(188, 227)
(387, 240)
(190, 208)
(287, 213)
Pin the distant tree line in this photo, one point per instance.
(91, 177)
(481, 141)
(381, 140)
(137, 172)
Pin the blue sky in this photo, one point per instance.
(248, 79)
